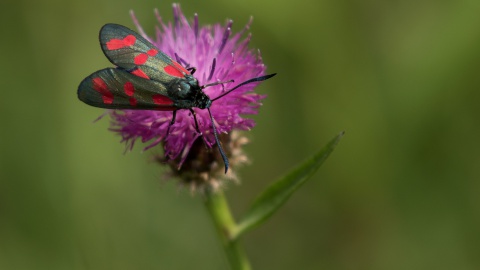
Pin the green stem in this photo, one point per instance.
(226, 227)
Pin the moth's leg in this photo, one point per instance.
(171, 123)
(196, 122)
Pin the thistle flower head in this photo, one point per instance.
(218, 55)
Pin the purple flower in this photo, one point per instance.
(217, 55)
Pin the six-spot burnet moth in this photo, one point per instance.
(147, 79)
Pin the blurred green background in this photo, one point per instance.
(401, 191)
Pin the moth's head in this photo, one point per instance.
(203, 101)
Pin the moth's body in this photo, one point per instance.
(187, 93)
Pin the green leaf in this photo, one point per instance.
(278, 193)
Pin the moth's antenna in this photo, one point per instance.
(257, 79)
(222, 153)
(215, 83)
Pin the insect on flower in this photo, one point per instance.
(147, 79)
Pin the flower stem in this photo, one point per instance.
(226, 227)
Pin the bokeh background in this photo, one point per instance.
(401, 191)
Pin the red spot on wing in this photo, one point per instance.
(140, 59)
(129, 88)
(107, 99)
(143, 57)
(115, 44)
(152, 52)
(172, 71)
(100, 86)
(133, 101)
(129, 40)
(176, 70)
(178, 66)
(138, 72)
(161, 100)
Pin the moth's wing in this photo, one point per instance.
(113, 88)
(132, 52)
